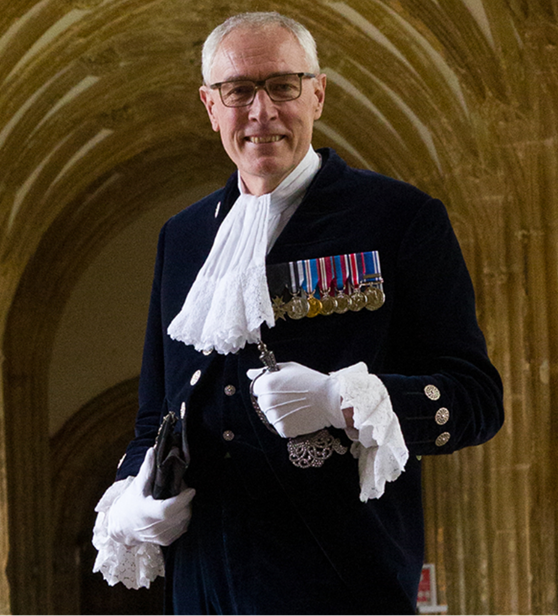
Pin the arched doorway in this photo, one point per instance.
(84, 455)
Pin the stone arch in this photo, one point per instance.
(459, 97)
(63, 254)
(84, 455)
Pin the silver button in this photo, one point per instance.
(230, 390)
(195, 377)
(442, 439)
(228, 435)
(208, 351)
(442, 416)
(432, 392)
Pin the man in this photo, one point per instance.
(385, 359)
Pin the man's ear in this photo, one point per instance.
(319, 92)
(207, 97)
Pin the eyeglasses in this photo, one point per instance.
(280, 89)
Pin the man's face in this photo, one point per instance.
(265, 140)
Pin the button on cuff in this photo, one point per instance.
(442, 416)
(432, 392)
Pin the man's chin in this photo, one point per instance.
(265, 176)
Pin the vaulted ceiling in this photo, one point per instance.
(100, 124)
(99, 108)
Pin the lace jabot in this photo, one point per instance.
(229, 299)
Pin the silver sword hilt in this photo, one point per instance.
(267, 357)
(268, 360)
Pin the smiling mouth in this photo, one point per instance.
(265, 139)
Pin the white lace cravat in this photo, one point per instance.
(229, 299)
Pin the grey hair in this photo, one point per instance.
(258, 20)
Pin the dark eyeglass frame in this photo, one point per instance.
(261, 85)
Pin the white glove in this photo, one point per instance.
(298, 400)
(136, 517)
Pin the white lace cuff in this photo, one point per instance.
(379, 445)
(137, 566)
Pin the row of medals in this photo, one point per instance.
(302, 305)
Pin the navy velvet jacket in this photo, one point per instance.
(425, 334)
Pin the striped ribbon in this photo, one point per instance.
(322, 272)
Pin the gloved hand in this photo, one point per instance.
(136, 517)
(298, 400)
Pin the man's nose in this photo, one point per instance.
(262, 107)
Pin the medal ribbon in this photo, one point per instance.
(353, 263)
(301, 276)
(346, 270)
(340, 278)
(293, 278)
(325, 274)
(372, 265)
(360, 265)
(311, 271)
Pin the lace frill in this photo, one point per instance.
(227, 311)
(136, 566)
(380, 450)
(229, 298)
